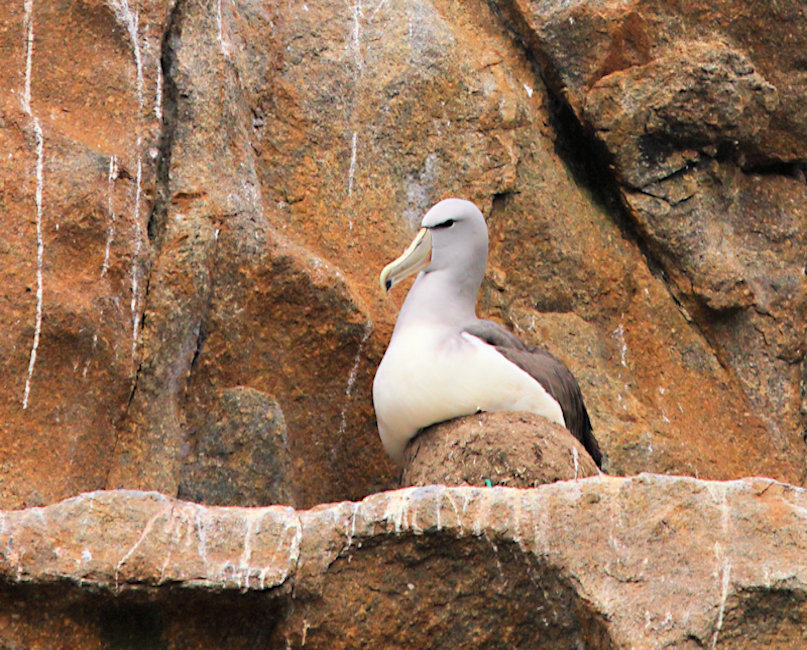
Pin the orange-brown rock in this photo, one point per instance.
(699, 109)
(510, 449)
(603, 562)
(198, 196)
(240, 452)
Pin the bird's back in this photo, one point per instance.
(553, 375)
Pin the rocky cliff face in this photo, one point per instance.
(198, 196)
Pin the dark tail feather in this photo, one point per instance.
(586, 436)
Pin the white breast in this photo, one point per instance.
(429, 375)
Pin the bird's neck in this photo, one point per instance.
(438, 298)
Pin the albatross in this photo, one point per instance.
(442, 361)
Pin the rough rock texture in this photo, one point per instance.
(603, 562)
(510, 449)
(701, 111)
(241, 453)
(198, 195)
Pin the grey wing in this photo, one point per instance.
(550, 372)
(494, 334)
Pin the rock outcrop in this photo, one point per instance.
(699, 110)
(603, 562)
(509, 449)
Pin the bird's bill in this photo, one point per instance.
(414, 258)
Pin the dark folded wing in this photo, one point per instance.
(550, 372)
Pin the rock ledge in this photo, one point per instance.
(640, 562)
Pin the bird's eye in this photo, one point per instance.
(445, 224)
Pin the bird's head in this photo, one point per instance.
(453, 236)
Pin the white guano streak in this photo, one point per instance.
(158, 95)
(356, 36)
(110, 234)
(40, 155)
(223, 42)
(355, 46)
(351, 379)
(138, 246)
(158, 83)
(130, 20)
(619, 335)
(40, 253)
(29, 52)
(352, 171)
